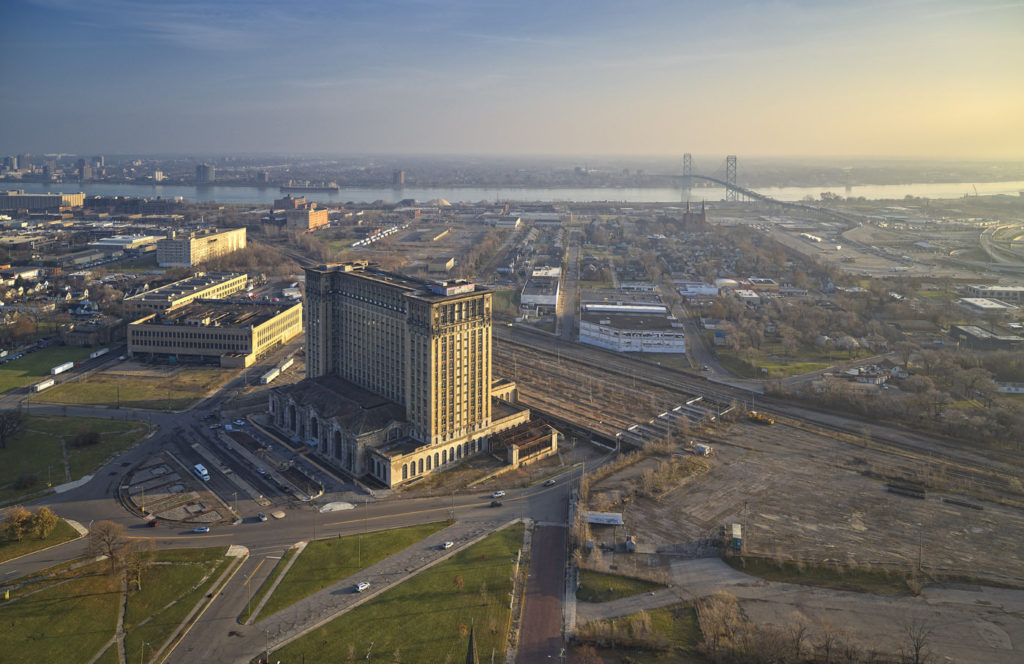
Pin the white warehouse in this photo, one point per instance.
(633, 328)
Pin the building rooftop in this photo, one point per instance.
(220, 313)
(183, 288)
(419, 288)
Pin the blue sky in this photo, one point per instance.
(886, 78)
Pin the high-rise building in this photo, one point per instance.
(183, 249)
(205, 173)
(424, 347)
(398, 178)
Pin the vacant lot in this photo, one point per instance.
(40, 454)
(160, 389)
(36, 366)
(806, 496)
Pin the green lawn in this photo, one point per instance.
(426, 619)
(602, 587)
(36, 450)
(62, 533)
(673, 628)
(177, 391)
(327, 561)
(35, 366)
(66, 623)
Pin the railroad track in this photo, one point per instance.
(669, 387)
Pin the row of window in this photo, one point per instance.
(438, 459)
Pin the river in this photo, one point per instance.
(266, 195)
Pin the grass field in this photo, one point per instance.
(426, 619)
(70, 615)
(675, 628)
(35, 366)
(601, 587)
(876, 581)
(37, 451)
(67, 622)
(62, 533)
(325, 562)
(176, 391)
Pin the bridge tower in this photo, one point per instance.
(730, 178)
(687, 165)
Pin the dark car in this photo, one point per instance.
(495, 503)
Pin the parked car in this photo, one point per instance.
(201, 529)
(239, 423)
(261, 516)
(497, 494)
(362, 585)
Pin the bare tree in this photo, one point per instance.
(107, 539)
(918, 632)
(11, 422)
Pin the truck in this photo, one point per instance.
(760, 418)
(737, 536)
(96, 353)
(201, 472)
(61, 368)
(43, 384)
(700, 449)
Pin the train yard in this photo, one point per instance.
(811, 486)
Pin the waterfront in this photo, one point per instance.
(267, 195)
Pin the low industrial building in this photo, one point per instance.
(979, 338)
(126, 243)
(185, 249)
(11, 201)
(633, 328)
(1014, 294)
(232, 334)
(541, 291)
(202, 286)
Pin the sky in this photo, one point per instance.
(888, 78)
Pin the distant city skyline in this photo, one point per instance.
(915, 78)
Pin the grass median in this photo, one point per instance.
(426, 619)
(325, 562)
(266, 585)
(603, 587)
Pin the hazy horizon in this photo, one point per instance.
(928, 80)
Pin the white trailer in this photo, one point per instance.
(61, 368)
(43, 385)
(96, 353)
(287, 363)
(269, 376)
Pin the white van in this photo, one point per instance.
(201, 471)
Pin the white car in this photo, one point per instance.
(239, 423)
(497, 494)
(362, 585)
(447, 545)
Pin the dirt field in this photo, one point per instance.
(801, 495)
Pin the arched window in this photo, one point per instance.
(428, 462)
(458, 451)
(405, 471)
(421, 466)
(444, 456)
(436, 457)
